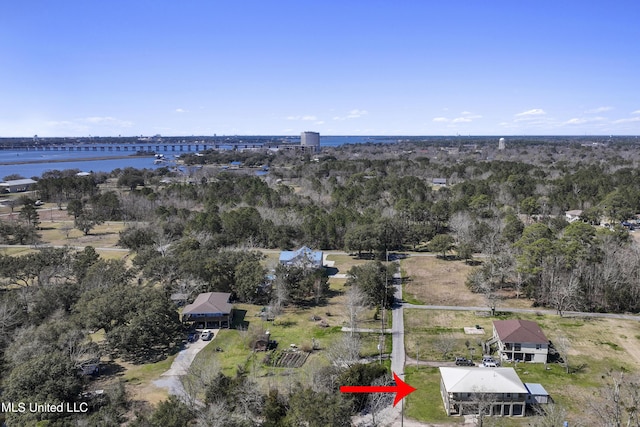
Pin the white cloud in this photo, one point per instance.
(108, 121)
(599, 110)
(180, 110)
(582, 120)
(319, 122)
(635, 112)
(353, 114)
(629, 120)
(533, 112)
(304, 118)
(465, 117)
(99, 119)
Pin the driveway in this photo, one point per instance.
(180, 366)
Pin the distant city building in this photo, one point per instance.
(501, 144)
(310, 139)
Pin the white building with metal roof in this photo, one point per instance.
(495, 391)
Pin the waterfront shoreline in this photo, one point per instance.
(67, 160)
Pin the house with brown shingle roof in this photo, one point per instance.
(521, 340)
(209, 310)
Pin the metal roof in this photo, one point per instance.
(482, 380)
(17, 182)
(536, 389)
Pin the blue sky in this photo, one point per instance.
(348, 67)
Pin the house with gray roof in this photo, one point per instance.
(495, 391)
(209, 310)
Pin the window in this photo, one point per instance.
(517, 346)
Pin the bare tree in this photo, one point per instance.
(280, 296)
(215, 414)
(620, 401)
(482, 401)
(250, 401)
(551, 415)
(345, 351)
(9, 319)
(162, 243)
(188, 286)
(563, 346)
(81, 351)
(66, 228)
(355, 305)
(197, 378)
(377, 402)
(445, 343)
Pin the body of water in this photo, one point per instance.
(35, 163)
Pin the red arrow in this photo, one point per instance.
(401, 389)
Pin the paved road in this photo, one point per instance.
(79, 248)
(525, 310)
(397, 353)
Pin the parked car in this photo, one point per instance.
(463, 361)
(206, 335)
(490, 362)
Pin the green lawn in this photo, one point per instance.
(596, 345)
(425, 404)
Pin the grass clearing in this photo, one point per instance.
(596, 346)
(434, 281)
(343, 262)
(139, 379)
(426, 403)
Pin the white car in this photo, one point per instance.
(206, 335)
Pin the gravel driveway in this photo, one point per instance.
(171, 378)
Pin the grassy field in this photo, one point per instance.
(597, 346)
(139, 379)
(433, 281)
(426, 403)
(295, 326)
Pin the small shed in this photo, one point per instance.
(537, 394)
(439, 181)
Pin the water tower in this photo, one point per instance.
(501, 144)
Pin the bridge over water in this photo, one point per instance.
(139, 147)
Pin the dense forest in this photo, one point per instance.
(200, 231)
